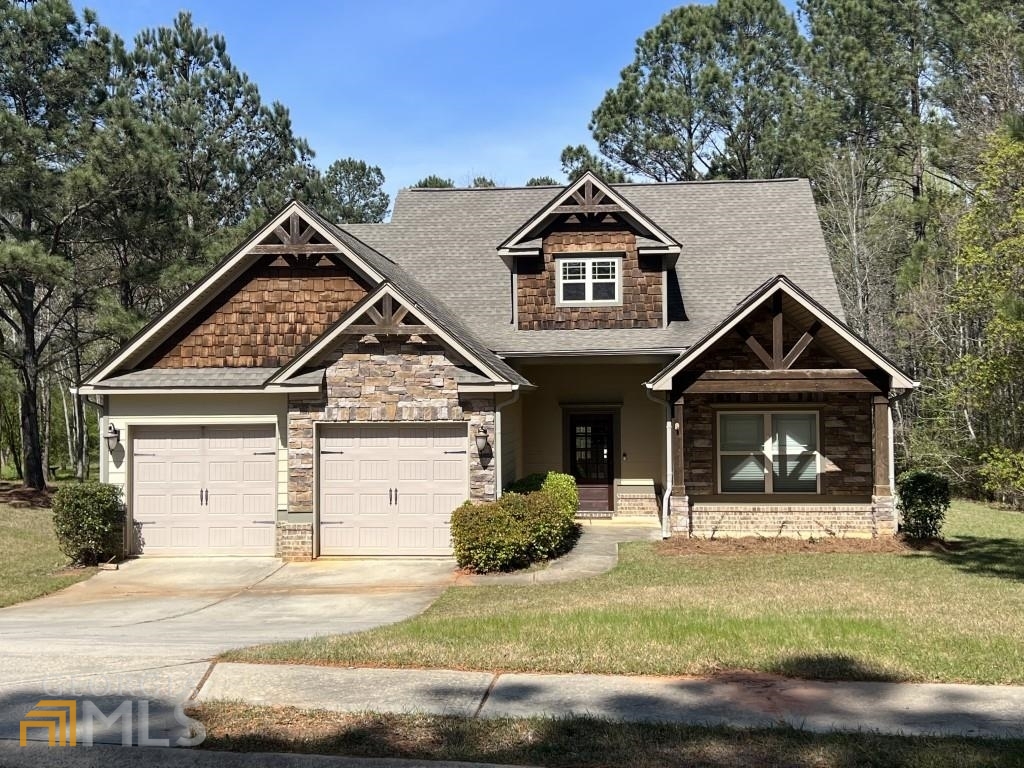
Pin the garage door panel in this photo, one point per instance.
(449, 469)
(414, 504)
(450, 437)
(413, 470)
(378, 538)
(375, 469)
(446, 503)
(414, 538)
(235, 468)
(425, 463)
(338, 470)
(414, 437)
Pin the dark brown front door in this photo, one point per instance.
(591, 459)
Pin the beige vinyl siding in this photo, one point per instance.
(126, 411)
(641, 421)
(511, 442)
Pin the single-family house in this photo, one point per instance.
(338, 389)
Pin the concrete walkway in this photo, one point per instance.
(596, 552)
(738, 701)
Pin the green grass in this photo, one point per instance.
(579, 742)
(955, 615)
(31, 565)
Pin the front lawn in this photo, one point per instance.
(31, 565)
(579, 742)
(938, 615)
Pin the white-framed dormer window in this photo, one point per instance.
(768, 452)
(589, 280)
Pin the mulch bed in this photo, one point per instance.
(18, 496)
(679, 545)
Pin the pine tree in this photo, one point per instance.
(54, 69)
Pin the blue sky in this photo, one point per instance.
(454, 87)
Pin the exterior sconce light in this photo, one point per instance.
(113, 437)
(481, 440)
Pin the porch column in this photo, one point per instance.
(678, 460)
(679, 500)
(880, 430)
(883, 506)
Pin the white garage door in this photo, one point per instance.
(390, 489)
(204, 490)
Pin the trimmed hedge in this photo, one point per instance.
(559, 484)
(514, 531)
(924, 498)
(89, 521)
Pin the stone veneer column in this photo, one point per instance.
(393, 382)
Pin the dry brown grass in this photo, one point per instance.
(578, 742)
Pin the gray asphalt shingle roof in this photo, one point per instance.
(422, 297)
(734, 236)
(190, 378)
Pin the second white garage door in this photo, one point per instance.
(390, 489)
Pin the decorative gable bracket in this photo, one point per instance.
(388, 318)
(588, 200)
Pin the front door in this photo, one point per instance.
(592, 459)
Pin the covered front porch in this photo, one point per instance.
(781, 425)
(592, 419)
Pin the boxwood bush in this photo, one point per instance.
(561, 485)
(514, 531)
(923, 500)
(88, 519)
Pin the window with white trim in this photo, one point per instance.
(768, 452)
(589, 280)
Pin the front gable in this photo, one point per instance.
(590, 259)
(265, 301)
(779, 339)
(388, 315)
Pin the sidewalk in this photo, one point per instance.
(738, 701)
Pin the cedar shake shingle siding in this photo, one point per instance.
(265, 318)
(641, 285)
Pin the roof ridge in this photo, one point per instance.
(673, 183)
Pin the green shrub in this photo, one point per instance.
(1002, 473)
(923, 500)
(527, 484)
(559, 484)
(89, 521)
(513, 532)
(487, 536)
(563, 488)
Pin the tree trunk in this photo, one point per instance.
(32, 451)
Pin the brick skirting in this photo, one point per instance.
(636, 502)
(295, 542)
(718, 520)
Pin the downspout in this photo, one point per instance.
(666, 506)
(498, 467)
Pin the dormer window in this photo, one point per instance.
(589, 281)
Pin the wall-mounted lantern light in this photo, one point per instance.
(113, 437)
(481, 439)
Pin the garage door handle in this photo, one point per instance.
(390, 500)
(263, 453)
(396, 495)
(207, 500)
(454, 452)
(263, 522)
(322, 452)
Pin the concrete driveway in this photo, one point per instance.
(148, 630)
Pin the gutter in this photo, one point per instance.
(666, 496)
